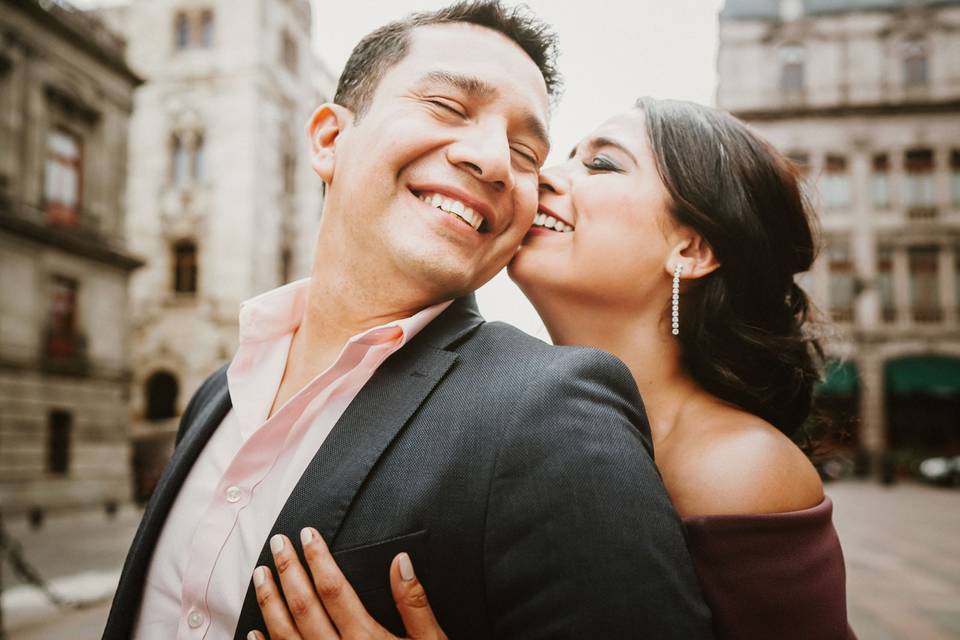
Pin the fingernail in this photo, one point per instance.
(259, 576)
(406, 568)
(252, 635)
(276, 543)
(306, 535)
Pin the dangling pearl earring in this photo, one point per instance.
(676, 298)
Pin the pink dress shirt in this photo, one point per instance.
(205, 555)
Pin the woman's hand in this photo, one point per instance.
(327, 607)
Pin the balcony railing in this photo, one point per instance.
(842, 314)
(930, 315)
(926, 212)
(64, 352)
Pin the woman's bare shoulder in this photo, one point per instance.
(736, 463)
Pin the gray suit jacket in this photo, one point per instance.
(519, 476)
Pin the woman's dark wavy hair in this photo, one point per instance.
(744, 329)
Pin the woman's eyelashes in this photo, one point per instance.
(601, 162)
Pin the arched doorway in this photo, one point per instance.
(161, 392)
(923, 405)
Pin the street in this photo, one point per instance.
(901, 546)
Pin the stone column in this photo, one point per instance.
(946, 279)
(901, 286)
(873, 419)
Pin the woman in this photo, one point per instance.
(671, 238)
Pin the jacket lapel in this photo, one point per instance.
(373, 420)
(211, 411)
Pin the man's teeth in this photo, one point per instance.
(548, 221)
(455, 207)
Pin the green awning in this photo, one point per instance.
(839, 379)
(932, 374)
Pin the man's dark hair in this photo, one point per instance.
(385, 47)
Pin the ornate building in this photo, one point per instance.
(865, 94)
(65, 99)
(223, 202)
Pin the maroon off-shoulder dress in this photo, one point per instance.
(772, 576)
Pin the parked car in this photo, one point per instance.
(942, 471)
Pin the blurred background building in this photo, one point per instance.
(865, 95)
(66, 95)
(222, 198)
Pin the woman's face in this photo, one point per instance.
(611, 196)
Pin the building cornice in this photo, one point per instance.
(847, 110)
(80, 29)
(77, 241)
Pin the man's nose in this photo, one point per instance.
(485, 154)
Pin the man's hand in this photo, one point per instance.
(327, 607)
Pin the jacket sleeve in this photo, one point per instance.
(581, 539)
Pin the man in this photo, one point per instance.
(373, 403)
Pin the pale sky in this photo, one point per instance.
(612, 51)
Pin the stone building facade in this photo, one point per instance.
(65, 100)
(865, 95)
(222, 198)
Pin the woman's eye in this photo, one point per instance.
(601, 163)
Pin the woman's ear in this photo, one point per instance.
(694, 253)
(323, 130)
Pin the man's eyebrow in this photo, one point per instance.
(470, 85)
(480, 88)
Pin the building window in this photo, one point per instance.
(286, 264)
(187, 151)
(841, 282)
(914, 64)
(63, 177)
(835, 185)
(206, 28)
(199, 150)
(161, 396)
(59, 426)
(63, 339)
(880, 182)
(955, 178)
(193, 29)
(921, 192)
(288, 52)
(181, 30)
(185, 267)
(888, 304)
(791, 68)
(289, 168)
(924, 283)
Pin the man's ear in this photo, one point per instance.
(323, 130)
(694, 253)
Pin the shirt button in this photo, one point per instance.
(195, 619)
(234, 494)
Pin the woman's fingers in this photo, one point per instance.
(274, 609)
(338, 597)
(306, 610)
(412, 602)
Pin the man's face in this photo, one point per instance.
(437, 181)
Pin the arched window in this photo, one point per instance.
(179, 160)
(185, 267)
(161, 396)
(914, 63)
(206, 28)
(198, 157)
(181, 30)
(791, 68)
